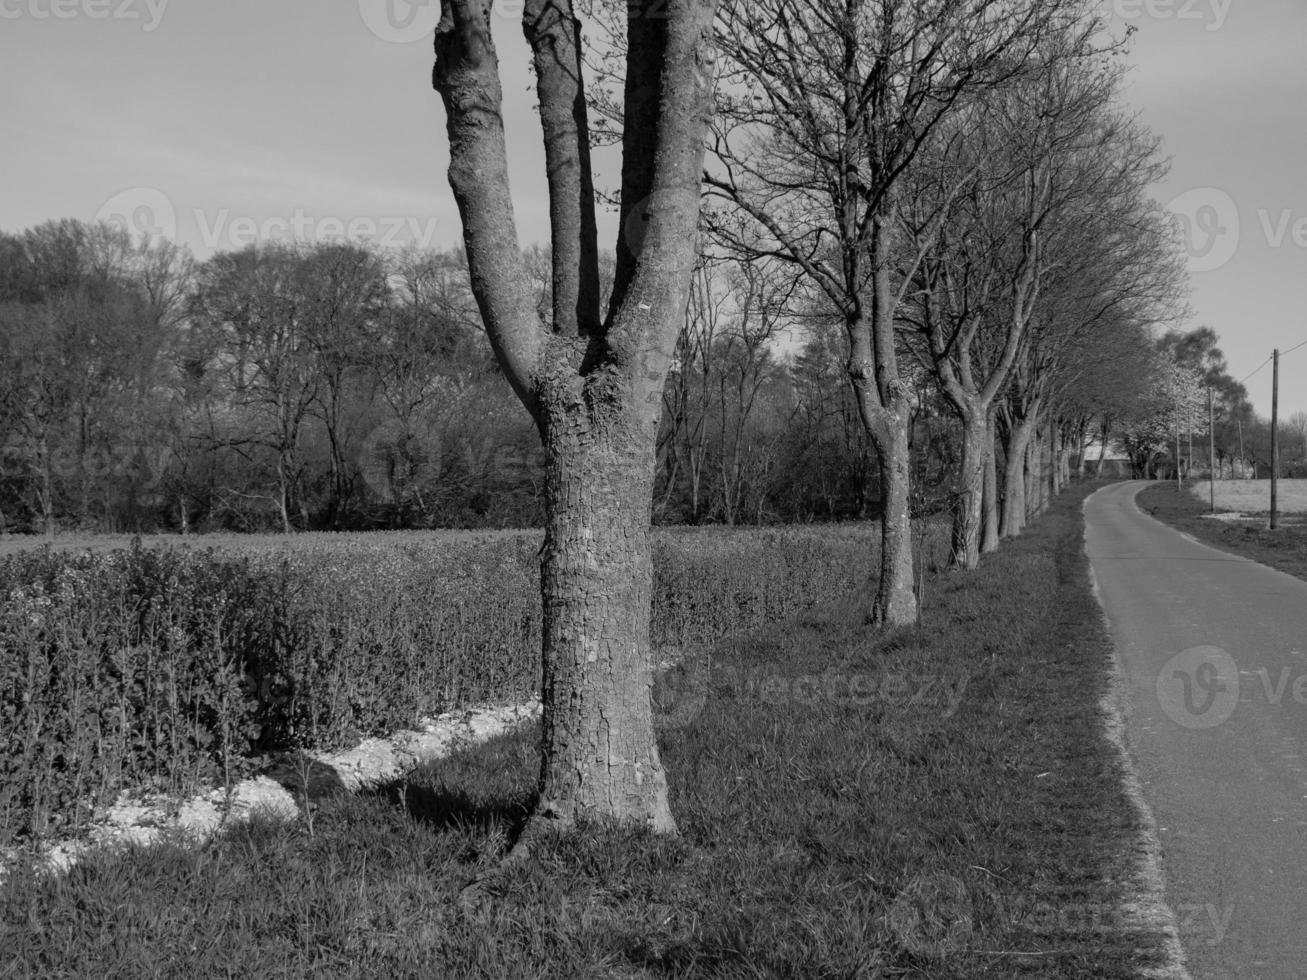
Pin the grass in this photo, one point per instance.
(936, 803)
(1254, 496)
(1284, 548)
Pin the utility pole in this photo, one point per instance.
(1275, 436)
(1242, 462)
(1211, 447)
(1189, 420)
(1179, 473)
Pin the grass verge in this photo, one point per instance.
(1284, 548)
(937, 803)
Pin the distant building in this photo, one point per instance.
(1114, 463)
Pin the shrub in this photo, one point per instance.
(174, 667)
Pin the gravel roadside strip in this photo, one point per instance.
(136, 820)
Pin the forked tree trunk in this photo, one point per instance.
(599, 751)
(593, 384)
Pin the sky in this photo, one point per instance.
(219, 122)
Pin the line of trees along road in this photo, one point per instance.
(911, 256)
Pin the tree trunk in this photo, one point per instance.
(1056, 457)
(599, 753)
(1037, 455)
(596, 391)
(970, 492)
(989, 531)
(896, 601)
(1014, 477)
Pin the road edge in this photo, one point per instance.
(1149, 910)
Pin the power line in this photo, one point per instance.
(1259, 367)
(1292, 349)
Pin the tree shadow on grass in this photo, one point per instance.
(303, 776)
(444, 807)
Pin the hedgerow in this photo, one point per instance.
(171, 668)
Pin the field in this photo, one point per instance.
(937, 802)
(1284, 548)
(1254, 496)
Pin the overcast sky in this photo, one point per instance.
(219, 122)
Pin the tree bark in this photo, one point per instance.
(883, 405)
(1015, 446)
(599, 752)
(989, 532)
(970, 491)
(895, 602)
(595, 389)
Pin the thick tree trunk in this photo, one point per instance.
(599, 753)
(895, 603)
(970, 492)
(594, 385)
(1035, 472)
(1056, 459)
(1014, 477)
(989, 530)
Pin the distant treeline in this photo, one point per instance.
(343, 386)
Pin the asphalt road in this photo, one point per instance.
(1213, 649)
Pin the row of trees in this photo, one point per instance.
(953, 186)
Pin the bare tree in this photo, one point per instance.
(253, 304)
(830, 104)
(592, 381)
(344, 288)
(1023, 160)
(1297, 424)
